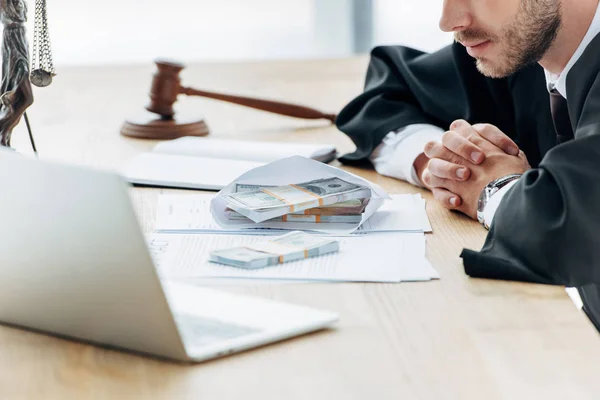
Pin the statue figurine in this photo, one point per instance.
(16, 94)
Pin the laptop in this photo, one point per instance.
(75, 264)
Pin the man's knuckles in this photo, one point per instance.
(434, 181)
(459, 145)
(457, 124)
(486, 130)
(449, 170)
(447, 199)
(448, 136)
(430, 149)
(465, 148)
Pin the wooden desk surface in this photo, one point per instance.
(457, 338)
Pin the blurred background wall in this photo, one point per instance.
(85, 32)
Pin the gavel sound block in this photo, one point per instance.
(166, 86)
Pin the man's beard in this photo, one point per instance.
(524, 40)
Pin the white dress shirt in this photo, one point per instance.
(397, 153)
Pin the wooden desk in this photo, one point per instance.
(457, 338)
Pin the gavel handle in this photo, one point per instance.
(276, 107)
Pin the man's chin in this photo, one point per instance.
(492, 70)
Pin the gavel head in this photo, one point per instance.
(166, 85)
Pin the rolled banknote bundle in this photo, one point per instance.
(289, 247)
(316, 219)
(267, 202)
(350, 207)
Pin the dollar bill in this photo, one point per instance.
(289, 247)
(244, 187)
(318, 219)
(278, 196)
(350, 207)
(266, 203)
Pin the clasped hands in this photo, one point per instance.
(466, 160)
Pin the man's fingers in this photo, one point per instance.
(448, 199)
(435, 150)
(465, 129)
(448, 170)
(438, 150)
(498, 138)
(460, 145)
(433, 181)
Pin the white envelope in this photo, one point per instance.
(295, 170)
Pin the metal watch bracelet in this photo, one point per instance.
(488, 191)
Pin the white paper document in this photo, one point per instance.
(247, 150)
(403, 213)
(190, 213)
(211, 163)
(393, 257)
(168, 170)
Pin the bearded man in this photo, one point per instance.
(504, 126)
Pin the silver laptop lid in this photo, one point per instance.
(74, 261)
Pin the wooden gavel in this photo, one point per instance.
(166, 86)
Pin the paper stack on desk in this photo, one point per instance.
(385, 241)
(390, 257)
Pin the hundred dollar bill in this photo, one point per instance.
(270, 202)
(289, 247)
(244, 187)
(350, 207)
(344, 219)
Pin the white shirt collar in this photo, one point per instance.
(560, 81)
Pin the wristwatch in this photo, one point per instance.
(489, 191)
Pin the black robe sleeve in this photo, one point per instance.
(406, 86)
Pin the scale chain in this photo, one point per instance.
(42, 67)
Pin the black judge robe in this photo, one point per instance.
(547, 228)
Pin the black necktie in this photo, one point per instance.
(560, 117)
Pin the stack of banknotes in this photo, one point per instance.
(289, 247)
(328, 200)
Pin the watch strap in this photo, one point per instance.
(490, 190)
